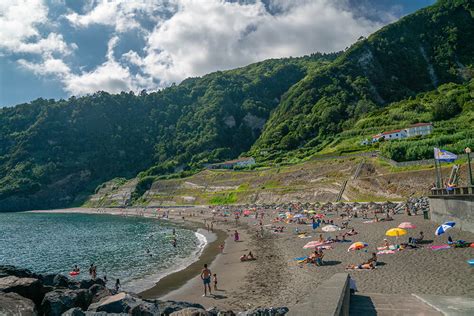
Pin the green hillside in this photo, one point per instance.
(433, 46)
(56, 153)
(51, 151)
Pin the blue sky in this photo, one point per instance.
(58, 48)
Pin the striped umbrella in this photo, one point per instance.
(444, 227)
(330, 228)
(357, 246)
(407, 225)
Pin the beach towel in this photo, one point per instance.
(300, 258)
(439, 247)
(390, 247)
(385, 252)
(369, 222)
(360, 269)
(304, 236)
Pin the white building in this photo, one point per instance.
(419, 129)
(395, 134)
(241, 162)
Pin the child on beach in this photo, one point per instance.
(221, 248)
(215, 281)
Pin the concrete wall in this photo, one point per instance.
(459, 209)
(332, 298)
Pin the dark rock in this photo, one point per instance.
(76, 311)
(99, 292)
(59, 301)
(48, 279)
(27, 287)
(6, 270)
(226, 313)
(85, 284)
(278, 311)
(15, 304)
(145, 309)
(60, 280)
(190, 311)
(118, 303)
(168, 307)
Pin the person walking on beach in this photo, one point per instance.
(236, 236)
(214, 277)
(206, 279)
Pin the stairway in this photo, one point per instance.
(354, 176)
(389, 304)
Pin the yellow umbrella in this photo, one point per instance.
(395, 232)
(312, 212)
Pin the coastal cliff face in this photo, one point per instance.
(23, 292)
(56, 153)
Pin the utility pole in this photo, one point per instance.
(467, 150)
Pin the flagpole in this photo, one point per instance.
(438, 185)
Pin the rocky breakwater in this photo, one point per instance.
(25, 293)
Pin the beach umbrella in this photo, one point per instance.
(444, 227)
(313, 244)
(319, 215)
(407, 225)
(312, 212)
(357, 246)
(396, 232)
(247, 212)
(298, 216)
(330, 228)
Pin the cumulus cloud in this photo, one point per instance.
(19, 21)
(123, 15)
(182, 37)
(204, 36)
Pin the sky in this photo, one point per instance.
(58, 48)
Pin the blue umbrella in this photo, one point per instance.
(444, 227)
(298, 216)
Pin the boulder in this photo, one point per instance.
(99, 292)
(15, 304)
(261, 311)
(60, 280)
(59, 301)
(6, 270)
(118, 303)
(27, 287)
(85, 284)
(225, 313)
(146, 309)
(168, 307)
(76, 311)
(190, 311)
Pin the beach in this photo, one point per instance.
(277, 279)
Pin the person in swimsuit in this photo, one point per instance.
(206, 279)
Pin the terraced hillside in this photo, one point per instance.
(315, 180)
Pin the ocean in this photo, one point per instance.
(54, 243)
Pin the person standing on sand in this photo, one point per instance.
(206, 279)
(236, 236)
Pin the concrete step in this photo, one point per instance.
(389, 304)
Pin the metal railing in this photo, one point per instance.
(456, 191)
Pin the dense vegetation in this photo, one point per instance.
(435, 45)
(54, 153)
(50, 151)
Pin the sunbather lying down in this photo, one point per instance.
(364, 266)
(248, 257)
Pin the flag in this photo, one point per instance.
(444, 155)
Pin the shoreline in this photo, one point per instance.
(173, 280)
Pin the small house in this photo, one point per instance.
(417, 129)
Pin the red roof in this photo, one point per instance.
(420, 124)
(391, 132)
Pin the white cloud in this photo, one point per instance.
(19, 21)
(197, 37)
(204, 36)
(123, 15)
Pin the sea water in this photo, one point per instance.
(54, 243)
